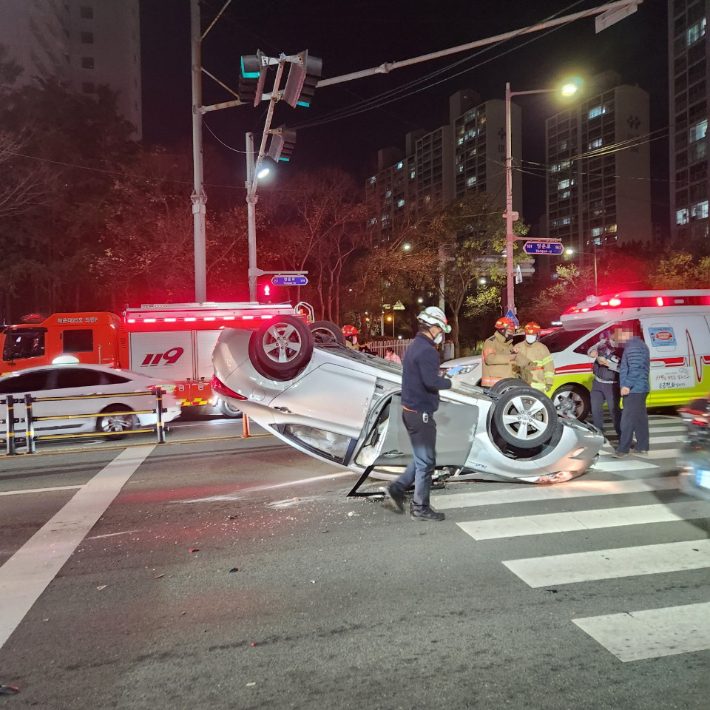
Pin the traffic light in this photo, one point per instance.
(252, 77)
(282, 143)
(302, 80)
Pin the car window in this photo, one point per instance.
(78, 377)
(23, 343)
(561, 339)
(110, 378)
(29, 382)
(78, 341)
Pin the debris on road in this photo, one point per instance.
(234, 569)
(101, 587)
(9, 690)
(158, 576)
(249, 685)
(194, 549)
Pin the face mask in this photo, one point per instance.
(531, 338)
(439, 339)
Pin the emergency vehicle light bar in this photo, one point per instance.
(193, 319)
(642, 299)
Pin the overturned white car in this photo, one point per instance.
(305, 386)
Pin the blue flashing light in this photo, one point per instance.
(304, 103)
(284, 160)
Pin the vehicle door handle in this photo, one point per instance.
(285, 410)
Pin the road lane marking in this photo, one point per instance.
(665, 439)
(125, 532)
(653, 633)
(29, 571)
(575, 489)
(585, 520)
(39, 490)
(612, 563)
(662, 453)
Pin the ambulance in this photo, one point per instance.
(675, 326)
(172, 341)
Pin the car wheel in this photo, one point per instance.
(326, 333)
(506, 384)
(281, 348)
(572, 401)
(116, 422)
(524, 418)
(229, 410)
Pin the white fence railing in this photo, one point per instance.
(399, 346)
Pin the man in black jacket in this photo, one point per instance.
(607, 356)
(420, 399)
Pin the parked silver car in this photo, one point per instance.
(344, 407)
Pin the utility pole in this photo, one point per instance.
(198, 197)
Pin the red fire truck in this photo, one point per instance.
(172, 341)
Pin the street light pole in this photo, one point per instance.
(251, 217)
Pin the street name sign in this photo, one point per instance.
(289, 280)
(554, 248)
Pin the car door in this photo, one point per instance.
(35, 383)
(387, 441)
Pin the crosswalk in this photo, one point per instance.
(629, 635)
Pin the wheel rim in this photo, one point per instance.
(231, 409)
(323, 335)
(282, 343)
(525, 417)
(117, 423)
(569, 403)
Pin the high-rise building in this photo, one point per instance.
(598, 168)
(688, 111)
(466, 155)
(85, 43)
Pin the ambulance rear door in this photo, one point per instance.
(164, 354)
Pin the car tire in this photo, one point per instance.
(281, 348)
(507, 384)
(326, 332)
(521, 412)
(229, 410)
(116, 422)
(572, 401)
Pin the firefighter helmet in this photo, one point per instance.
(503, 323)
(349, 330)
(532, 328)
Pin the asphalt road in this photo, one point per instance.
(237, 574)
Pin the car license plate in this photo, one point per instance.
(702, 478)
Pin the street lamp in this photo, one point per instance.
(569, 251)
(568, 89)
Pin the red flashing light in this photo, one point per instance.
(131, 320)
(248, 317)
(210, 318)
(614, 302)
(219, 387)
(266, 317)
(190, 320)
(267, 290)
(170, 320)
(228, 318)
(149, 320)
(659, 300)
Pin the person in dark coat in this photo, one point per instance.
(420, 399)
(607, 357)
(634, 374)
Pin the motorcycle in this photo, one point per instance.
(694, 456)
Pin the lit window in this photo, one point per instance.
(400, 166)
(400, 203)
(596, 111)
(564, 194)
(388, 193)
(699, 210)
(373, 180)
(564, 220)
(695, 32)
(412, 174)
(562, 184)
(595, 144)
(681, 216)
(699, 130)
(372, 221)
(611, 229)
(427, 199)
(597, 231)
(470, 182)
(563, 145)
(385, 218)
(460, 168)
(459, 140)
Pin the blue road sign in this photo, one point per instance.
(289, 280)
(555, 248)
(512, 317)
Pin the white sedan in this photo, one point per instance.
(113, 397)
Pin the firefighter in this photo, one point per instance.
(539, 370)
(498, 354)
(350, 333)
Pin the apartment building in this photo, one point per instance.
(598, 168)
(85, 43)
(466, 155)
(688, 112)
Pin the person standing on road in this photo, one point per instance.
(498, 354)
(634, 382)
(420, 399)
(391, 356)
(605, 388)
(539, 370)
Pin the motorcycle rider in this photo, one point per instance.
(539, 373)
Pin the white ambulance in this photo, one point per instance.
(675, 326)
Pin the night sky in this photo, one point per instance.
(350, 36)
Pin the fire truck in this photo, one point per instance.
(172, 341)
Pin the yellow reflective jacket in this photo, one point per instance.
(539, 372)
(496, 360)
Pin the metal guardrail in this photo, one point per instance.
(11, 433)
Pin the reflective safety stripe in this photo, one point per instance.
(489, 381)
(546, 360)
(537, 385)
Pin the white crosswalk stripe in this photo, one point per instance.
(630, 635)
